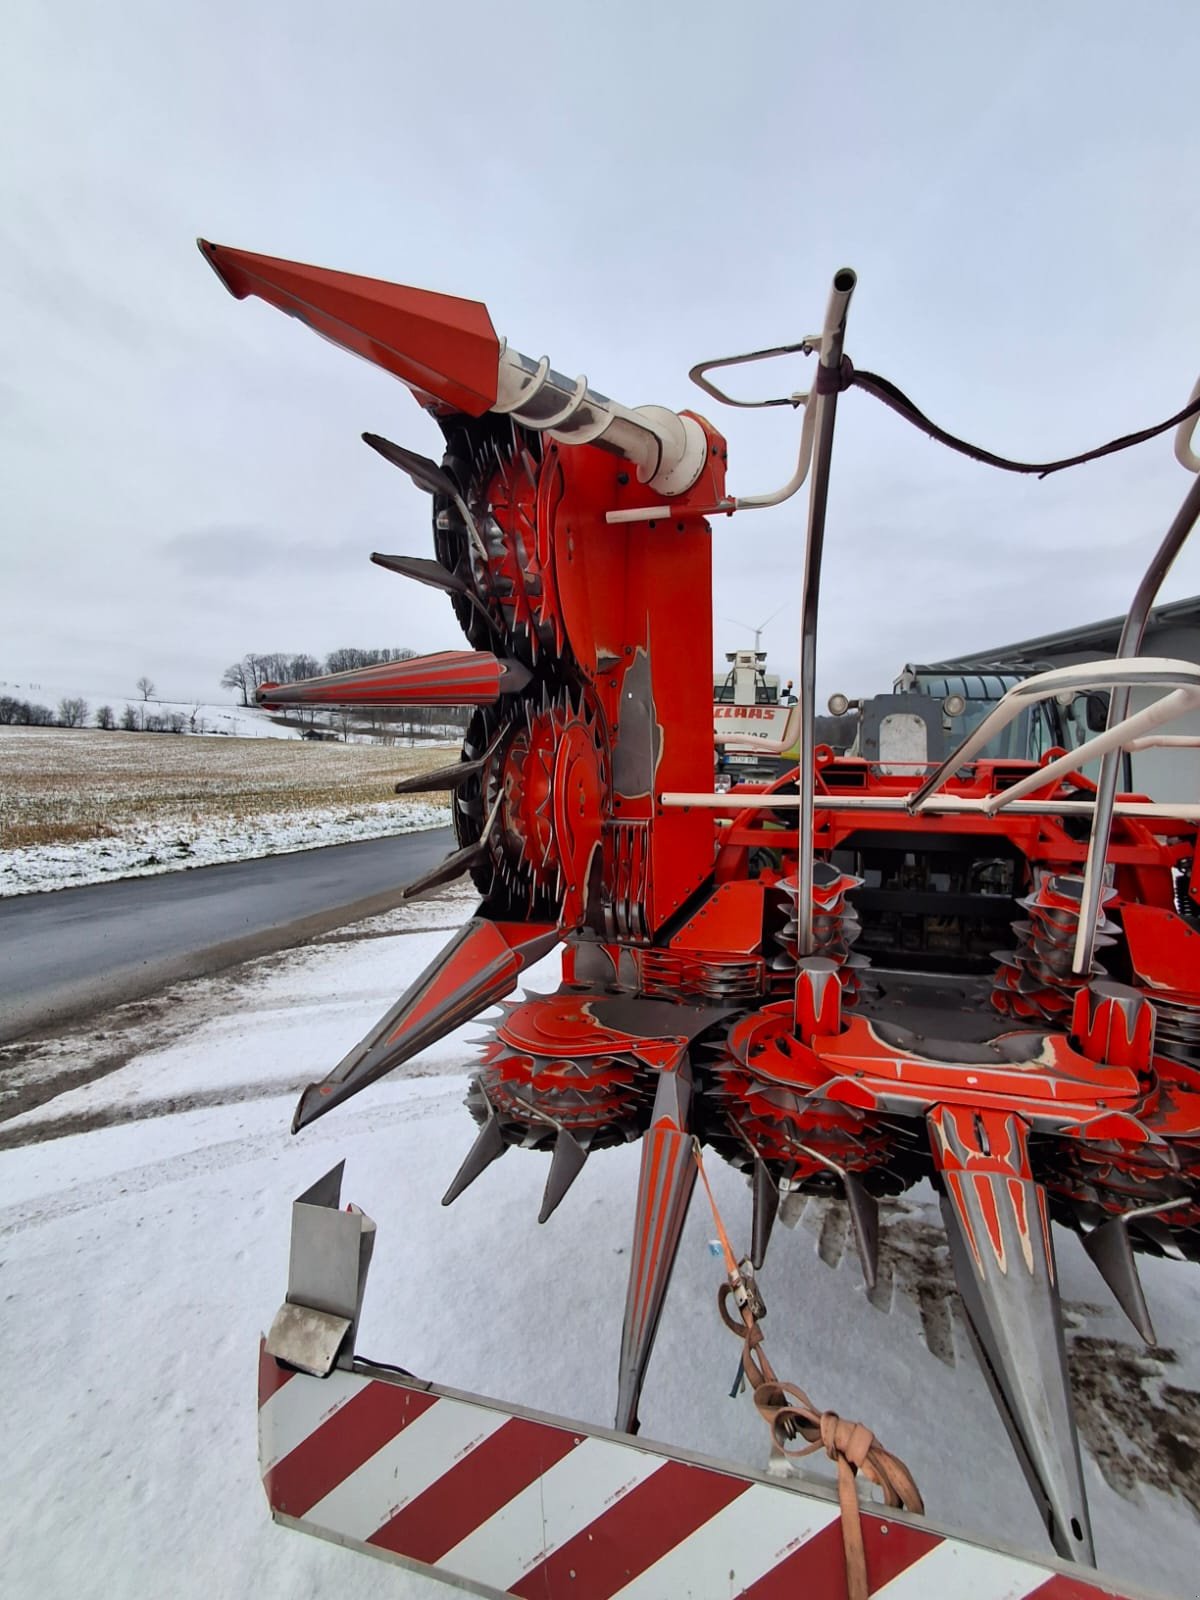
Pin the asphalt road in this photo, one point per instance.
(72, 952)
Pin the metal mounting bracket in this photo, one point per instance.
(327, 1275)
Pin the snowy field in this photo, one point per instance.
(144, 1223)
(199, 716)
(83, 806)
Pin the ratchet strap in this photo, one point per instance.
(790, 1414)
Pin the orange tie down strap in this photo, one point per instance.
(788, 1413)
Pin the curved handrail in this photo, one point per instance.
(1117, 738)
(1185, 433)
(1146, 672)
(1132, 634)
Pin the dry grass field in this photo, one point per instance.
(63, 786)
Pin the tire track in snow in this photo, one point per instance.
(44, 1129)
(35, 1072)
(199, 1163)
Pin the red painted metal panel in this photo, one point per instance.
(441, 346)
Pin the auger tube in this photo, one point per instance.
(668, 450)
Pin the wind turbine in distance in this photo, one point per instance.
(751, 628)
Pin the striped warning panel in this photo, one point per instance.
(510, 1504)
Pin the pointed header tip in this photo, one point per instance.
(441, 346)
(210, 253)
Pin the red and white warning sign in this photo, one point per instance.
(504, 1502)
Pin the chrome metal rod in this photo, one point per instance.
(1130, 644)
(818, 496)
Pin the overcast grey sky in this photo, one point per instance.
(630, 187)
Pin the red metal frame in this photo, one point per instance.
(687, 1008)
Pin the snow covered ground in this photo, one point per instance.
(144, 1221)
(224, 717)
(147, 848)
(82, 806)
(199, 716)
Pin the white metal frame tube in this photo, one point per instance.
(948, 804)
(1112, 741)
(1151, 672)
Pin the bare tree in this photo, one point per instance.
(347, 660)
(145, 687)
(72, 713)
(129, 720)
(302, 666)
(235, 677)
(256, 672)
(344, 660)
(105, 718)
